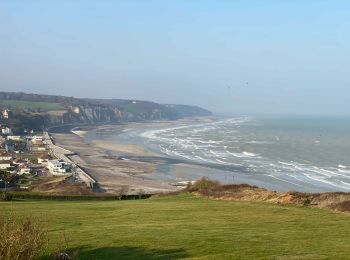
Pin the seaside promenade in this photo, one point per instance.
(63, 154)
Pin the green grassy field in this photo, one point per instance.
(183, 226)
(31, 105)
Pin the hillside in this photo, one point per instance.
(33, 111)
(21, 104)
(185, 227)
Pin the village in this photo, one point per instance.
(27, 156)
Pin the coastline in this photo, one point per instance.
(173, 170)
(121, 161)
(106, 161)
(112, 174)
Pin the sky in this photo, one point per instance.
(241, 57)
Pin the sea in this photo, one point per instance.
(297, 153)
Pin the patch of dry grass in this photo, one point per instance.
(21, 239)
(58, 186)
(339, 201)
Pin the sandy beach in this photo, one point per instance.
(113, 175)
(101, 158)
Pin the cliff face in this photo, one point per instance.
(130, 112)
(73, 110)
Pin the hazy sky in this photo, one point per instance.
(228, 56)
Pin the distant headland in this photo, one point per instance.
(23, 111)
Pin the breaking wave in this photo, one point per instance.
(225, 143)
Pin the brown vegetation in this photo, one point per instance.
(339, 201)
(21, 240)
(205, 187)
(59, 186)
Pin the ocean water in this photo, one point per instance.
(295, 151)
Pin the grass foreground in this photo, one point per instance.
(183, 226)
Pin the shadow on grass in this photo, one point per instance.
(125, 253)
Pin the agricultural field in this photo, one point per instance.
(19, 104)
(186, 227)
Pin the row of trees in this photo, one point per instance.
(21, 121)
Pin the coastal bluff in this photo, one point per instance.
(36, 111)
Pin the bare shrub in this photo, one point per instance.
(21, 240)
(343, 206)
(339, 201)
(205, 187)
(238, 187)
(123, 190)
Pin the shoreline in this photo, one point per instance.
(176, 170)
(113, 174)
(106, 161)
(126, 162)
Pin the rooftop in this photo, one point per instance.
(5, 161)
(45, 156)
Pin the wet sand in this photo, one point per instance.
(122, 148)
(112, 174)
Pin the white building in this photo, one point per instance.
(6, 113)
(6, 131)
(6, 157)
(14, 137)
(58, 167)
(36, 138)
(19, 162)
(5, 164)
(24, 170)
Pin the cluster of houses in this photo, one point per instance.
(29, 154)
(7, 131)
(14, 165)
(21, 144)
(44, 165)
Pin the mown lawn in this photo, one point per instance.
(20, 104)
(183, 226)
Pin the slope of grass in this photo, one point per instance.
(183, 226)
(30, 105)
(140, 107)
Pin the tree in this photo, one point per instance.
(8, 177)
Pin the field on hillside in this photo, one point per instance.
(182, 226)
(30, 105)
